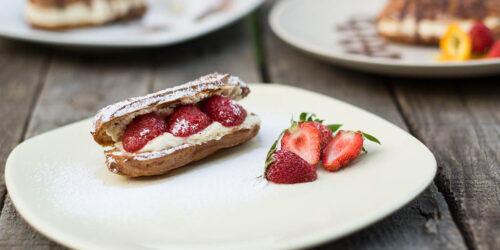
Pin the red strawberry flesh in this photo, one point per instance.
(303, 139)
(344, 148)
(187, 120)
(482, 38)
(326, 134)
(289, 168)
(224, 110)
(495, 50)
(141, 130)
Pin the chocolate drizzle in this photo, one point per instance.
(360, 38)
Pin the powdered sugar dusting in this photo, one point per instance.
(236, 109)
(158, 154)
(144, 132)
(182, 126)
(191, 92)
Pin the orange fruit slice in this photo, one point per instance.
(455, 44)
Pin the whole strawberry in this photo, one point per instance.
(187, 120)
(285, 167)
(482, 38)
(141, 130)
(224, 110)
(495, 50)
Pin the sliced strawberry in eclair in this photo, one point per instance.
(156, 133)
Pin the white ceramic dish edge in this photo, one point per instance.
(319, 238)
(449, 69)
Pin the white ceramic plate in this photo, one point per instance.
(163, 24)
(60, 185)
(313, 26)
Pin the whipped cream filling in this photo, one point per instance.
(427, 28)
(188, 96)
(214, 131)
(97, 12)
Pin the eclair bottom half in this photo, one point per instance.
(160, 162)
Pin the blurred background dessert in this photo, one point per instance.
(65, 14)
(426, 21)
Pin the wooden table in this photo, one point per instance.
(42, 88)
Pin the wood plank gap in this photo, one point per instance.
(43, 76)
(399, 108)
(254, 28)
(439, 180)
(454, 204)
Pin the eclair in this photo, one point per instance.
(158, 132)
(68, 14)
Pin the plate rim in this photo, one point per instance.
(134, 44)
(320, 237)
(286, 36)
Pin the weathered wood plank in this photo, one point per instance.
(461, 125)
(22, 68)
(77, 87)
(226, 51)
(423, 224)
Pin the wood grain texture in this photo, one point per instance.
(78, 85)
(426, 222)
(22, 68)
(226, 51)
(460, 124)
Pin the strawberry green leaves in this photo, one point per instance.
(309, 117)
(312, 117)
(334, 127)
(370, 137)
(269, 158)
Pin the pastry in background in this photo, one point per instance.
(426, 21)
(67, 14)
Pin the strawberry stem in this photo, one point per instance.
(269, 158)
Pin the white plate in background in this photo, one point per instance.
(60, 185)
(313, 26)
(166, 22)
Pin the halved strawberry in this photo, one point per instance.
(303, 139)
(344, 148)
(285, 167)
(326, 134)
(141, 130)
(187, 120)
(325, 130)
